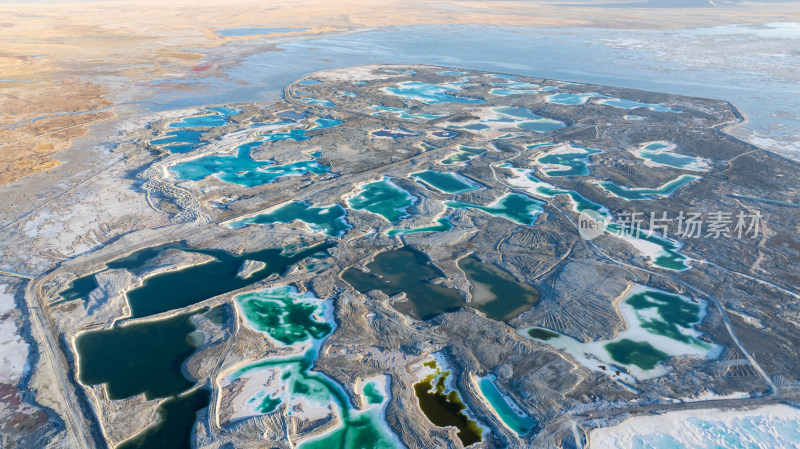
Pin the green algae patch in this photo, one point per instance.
(329, 220)
(639, 353)
(443, 406)
(383, 198)
(283, 314)
(520, 209)
(176, 421)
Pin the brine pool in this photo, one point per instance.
(495, 292)
(662, 154)
(430, 93)
(659, 325)
(520, 209)
(639, 193)
(463, 155)
(241, 169)
(506, 409)
(115, 358)
(291, 386)
(441, 403)
(445, 181)
(660, 252)
(383, 198)
(329, 220)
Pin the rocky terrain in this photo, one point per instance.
(338, 132)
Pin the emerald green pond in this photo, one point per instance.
(495, 292)
(658, 325)
(639, 353)
(541, 334)
(372, 394)
(444, 181)
(283, 314)
(383, 198)
(177, 418)
(463, 155)
(444, 408)
(175, 289)
(520, 209)
(328, 220)
(631, 193)
(674, 313)
(668, 257)
(291, 317)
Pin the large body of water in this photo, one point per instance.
(762, 83)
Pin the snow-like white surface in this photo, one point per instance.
(13, 349)
(771, 427)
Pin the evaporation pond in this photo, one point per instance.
(383, 198)
(406, 271)
(430, 93)
(508, 411)
(495, 292)
(175, 426)
(329, 220)
(444, 181)
(443, 406)
(632, 193)
(175, 289)
(520, 209)
(241, 169)
(138, 358)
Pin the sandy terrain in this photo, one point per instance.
(66, 57)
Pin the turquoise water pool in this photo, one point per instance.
(241, 169)
(329, 220)
(520, 209)
(508, 411)
(382, 198)
(445, 181)
(630, 104)
(430, 93)
(634, 193)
